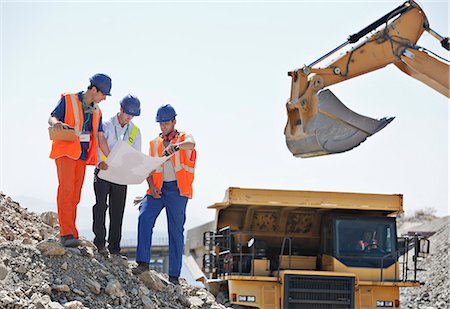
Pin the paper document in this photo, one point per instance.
(127, 166)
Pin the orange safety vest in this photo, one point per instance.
(74, 117)
(184, 166)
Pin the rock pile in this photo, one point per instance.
(36, 272)
(436, 276)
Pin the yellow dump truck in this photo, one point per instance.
(304, 249)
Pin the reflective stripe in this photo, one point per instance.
(176, 161)
(155, 150)
(155, 153)
(187, 168)
(132, 135)
(177, 165)
(76, 114)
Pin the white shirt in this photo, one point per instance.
(114, 131)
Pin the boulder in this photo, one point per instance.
(153, 281)
(50, 218)
(51, 248)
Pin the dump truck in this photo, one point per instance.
(318, 122)
(306, 249)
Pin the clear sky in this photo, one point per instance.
(223, 66)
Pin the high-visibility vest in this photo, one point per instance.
(74, 117)
(184, 166)
(130, 141)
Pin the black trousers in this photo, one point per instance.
(109, 196)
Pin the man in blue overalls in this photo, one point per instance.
(170, 187)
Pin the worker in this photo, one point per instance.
(170, 187)
(119, 127)
(368, 241)
(80, 112)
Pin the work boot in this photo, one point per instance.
(119, 256)
(69, 241)
(103, 252)
(174, 280)
(142, 267)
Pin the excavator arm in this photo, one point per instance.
(320, 124)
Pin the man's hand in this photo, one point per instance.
(171, 149)
(155, 192)
(137, 200)
(60, 125)
(57, 124)
(102, 166)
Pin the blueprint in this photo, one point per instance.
(127, 166)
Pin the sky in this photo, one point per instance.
(223, 66)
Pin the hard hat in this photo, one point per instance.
(165, 113)
(102, 82)
(131, 105)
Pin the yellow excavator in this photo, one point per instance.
(318, 122)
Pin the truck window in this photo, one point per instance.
(370, 238)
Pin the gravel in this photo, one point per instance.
(37, 272)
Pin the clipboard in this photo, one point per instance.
(65, 134)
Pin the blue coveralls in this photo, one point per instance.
(149, 211)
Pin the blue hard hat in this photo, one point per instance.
(102, 82)
(165, 113)
(131, 105)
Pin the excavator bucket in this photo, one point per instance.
(333, 129)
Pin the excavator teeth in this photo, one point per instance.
(334, 129)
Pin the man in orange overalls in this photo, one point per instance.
(80, 112)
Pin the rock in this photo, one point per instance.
(74, 305)
(27, 241)
(195, 301)
(73, 251)
(79, 292)
(51, 248)
(144, 290)
(43, 233)
(3, 271)
(45, 288)
(93, 286)
(55, 305)
(46, 299)
(64, 266)
(21, 269)
(6, 300)
(50, 218)
(39, 305)
(202, 294)
(87, 251)
(113, 288)
(184, 300)
(148, 303)
(63, 288)
(153, 281)
(105, 273)
(67, 280)
(98, 264)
